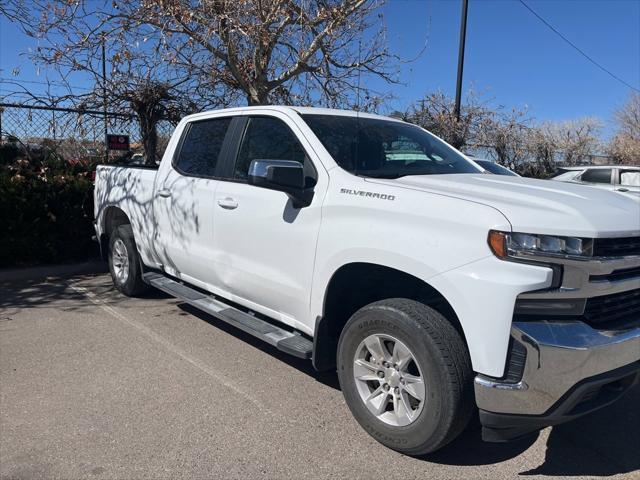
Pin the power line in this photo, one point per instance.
(578, 49)
(36, 82)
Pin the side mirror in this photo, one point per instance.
(282, 175)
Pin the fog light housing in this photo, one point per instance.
(551, 307)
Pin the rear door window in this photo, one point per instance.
(630, 178)
(201, 147)
(597, 175)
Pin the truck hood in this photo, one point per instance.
(537, 206)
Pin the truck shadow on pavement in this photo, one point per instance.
(610, 437)
(37, 294)
(604, 443)
(470, 450)
(329, 379)
(45, 291)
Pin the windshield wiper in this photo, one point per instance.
(382, 175)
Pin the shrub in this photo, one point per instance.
(9, 152)
(46, 207)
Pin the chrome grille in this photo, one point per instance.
(600, 311)
(622, 274)
(616, 247)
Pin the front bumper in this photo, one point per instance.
(566, 369)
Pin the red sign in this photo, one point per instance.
(117, 142)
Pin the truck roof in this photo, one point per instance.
(289, 109)
(598, 167)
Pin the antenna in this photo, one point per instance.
(302, 38)
(358, 109)
(358, 87)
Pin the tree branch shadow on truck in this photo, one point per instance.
(125, 187)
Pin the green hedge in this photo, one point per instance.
(46, 208)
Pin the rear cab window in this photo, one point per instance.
(200, 148)
(630, 178)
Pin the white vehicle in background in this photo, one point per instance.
(493, 167)
(621, 178)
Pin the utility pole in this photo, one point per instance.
(463, 35)
(104, 100)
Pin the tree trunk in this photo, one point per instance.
(258, 95)
(149, 135)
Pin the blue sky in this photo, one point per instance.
(515, 59)
(511, 57)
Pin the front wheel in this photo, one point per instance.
(406, 375)
(124, 262)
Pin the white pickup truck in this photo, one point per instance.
(370, 246)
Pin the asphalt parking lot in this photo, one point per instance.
(96, 385)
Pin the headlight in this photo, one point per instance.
(508, 244)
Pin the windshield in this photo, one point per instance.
(495, 168)
(384, 148)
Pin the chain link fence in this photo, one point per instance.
(75, 135)
(47, 161)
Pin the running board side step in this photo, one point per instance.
(289, 342)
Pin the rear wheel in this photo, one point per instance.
(406, 375)
(124, 262)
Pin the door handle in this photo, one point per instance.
(165, 193)
(228, 203)
(623, 189)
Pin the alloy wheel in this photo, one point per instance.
(389, 380)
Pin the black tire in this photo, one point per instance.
(443, 359)
(130, 284)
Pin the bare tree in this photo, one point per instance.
(628, 116)
(273, 50)
(151, 101)
(508, 136)
(72, 41)
(14, 10)
(577, 140)
(177, 55)
(542, 148)
(624, 147)
(551, 143)
(266, 50)
(436, 113)
(505, 135)
(624, 150)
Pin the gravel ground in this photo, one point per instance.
(96, 385)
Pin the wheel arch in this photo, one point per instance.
(112, 217)
(354, 285)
